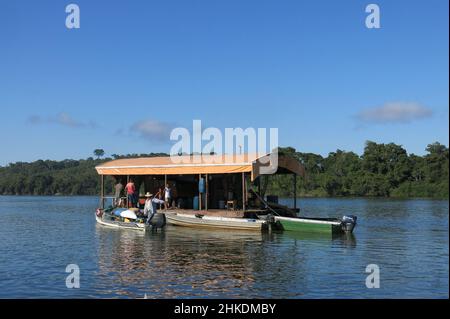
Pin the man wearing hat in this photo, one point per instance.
(150, 205)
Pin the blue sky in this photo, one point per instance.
(135, 69)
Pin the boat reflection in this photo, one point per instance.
(347, 240)
(177, 261)
(188, 262)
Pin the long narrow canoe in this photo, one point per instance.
(189, 220)
(327, 225)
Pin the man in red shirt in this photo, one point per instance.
(130, 188)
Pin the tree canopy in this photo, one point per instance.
(99, 152)
(383, 170)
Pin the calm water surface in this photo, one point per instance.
(40, 236)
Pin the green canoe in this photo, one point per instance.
(324, 225)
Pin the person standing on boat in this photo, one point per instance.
(167, 196)
(118, 193)
(131, 189)
(159, 195)
(150, 206)
(174, 194)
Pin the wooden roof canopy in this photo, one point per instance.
(202, 164)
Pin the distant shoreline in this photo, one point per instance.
(281, 197)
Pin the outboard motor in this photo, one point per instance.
(270, 219)
(348, 223)
(158, 221)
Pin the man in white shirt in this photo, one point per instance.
(150, 206)
(118, 193)
(167, 196)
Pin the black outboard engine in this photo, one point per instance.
(270, 219)
(158, 221)
(348, 223)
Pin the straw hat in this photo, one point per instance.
(148, 194)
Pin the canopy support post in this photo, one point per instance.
(126, 193)
(206, 192)
(199, 192)
(102, 191)
(165, 185)
(244, 199)
(295, 191)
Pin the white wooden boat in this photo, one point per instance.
(111, 220)
(126, 225)
(198, 220)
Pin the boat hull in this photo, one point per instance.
(124, 225)
(113, 218)
(215, 222)
(314, 225)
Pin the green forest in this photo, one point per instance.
(383, 170)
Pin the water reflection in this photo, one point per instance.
(347, 240)
(187, 262)
(177, 260)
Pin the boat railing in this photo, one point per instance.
(104, 199)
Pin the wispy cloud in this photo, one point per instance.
(395, 112)
(152, 130)
(62, 118)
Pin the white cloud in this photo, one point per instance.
(395, 112)
(66, 120)
(152, 130)
(62, 118)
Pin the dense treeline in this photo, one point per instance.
(383, 170)
(67, 177)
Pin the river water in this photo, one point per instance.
(406, 239)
